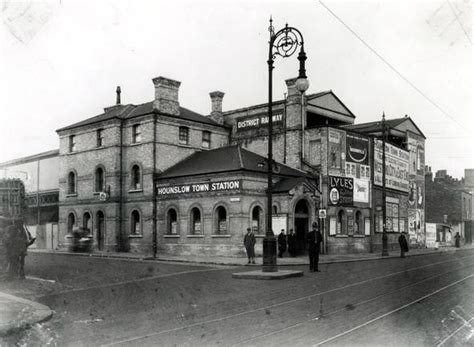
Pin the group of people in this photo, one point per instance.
(15, 240)
(314, 239)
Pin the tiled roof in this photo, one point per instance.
(374, 126)
(130, 111)
(224, 159)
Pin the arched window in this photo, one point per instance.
(274, 209)
(87, 221)
(136, 177)
(220, 218)
(358, 224)
(257, 220)
(71, 183)
(172, 222)
(99, 179)
(196, 221)
(340, 228)
(135, 225)
(71, 222)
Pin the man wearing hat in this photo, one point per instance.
(314, 240)
(249, 243)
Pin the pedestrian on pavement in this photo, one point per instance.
(249, 243)
(457, 239)
(314, 239)
(402, 241)
(292, 243)
(281, 243)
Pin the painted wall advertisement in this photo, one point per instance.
(336, 153)
(357, 156)
(258, 120)
(416, 226)
(396, 166)
(341, 191)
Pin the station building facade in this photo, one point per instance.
(158, 177)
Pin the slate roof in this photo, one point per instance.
(374, 126)
(224, 159)
(131, 111)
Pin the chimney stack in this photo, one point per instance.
(216, 107)
(292, 90)
(166, 95)
(118, 91)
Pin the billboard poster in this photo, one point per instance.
(361, 190)
(258, 120)
(357, 149)
(341, 191)
(416, 226)
(336, 153)
(396, 166)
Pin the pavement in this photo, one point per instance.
(17, 313)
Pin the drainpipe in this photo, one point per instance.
(120, 231)
(284, 133)
(154, 204)
(372, 195)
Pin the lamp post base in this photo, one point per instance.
(384, 245)
(269, 254)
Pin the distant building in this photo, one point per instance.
(40, 176)
(449, 206)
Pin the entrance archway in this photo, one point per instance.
(301, 225)
(100, 230)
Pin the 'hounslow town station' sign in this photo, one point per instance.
(199, 187)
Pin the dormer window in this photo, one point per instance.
(206, 139)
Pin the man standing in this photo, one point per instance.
(402, 241)
(249, 243)
(281, 243)
(314, 239)
(291, 243)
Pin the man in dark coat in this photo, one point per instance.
(457, 239)
(281, 243)
(402, 241)
(291, 243)
(249, 243)
(314, 239)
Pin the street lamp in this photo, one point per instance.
(384, 193)
(283, 43)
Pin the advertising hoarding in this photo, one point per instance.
(396, 166)
(361, 190)
(341, 191)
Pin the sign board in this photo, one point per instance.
(258, 120)
(322, 214)
(396, 166)
(203, 187)
(431, 235)
(279, 221)
(357, 149)
(341, 191)
(102, 196)
(361, 190)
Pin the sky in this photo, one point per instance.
(61, 60)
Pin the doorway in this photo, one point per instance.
(301, 225)
(100, 230)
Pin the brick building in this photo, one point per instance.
(141, 177)
(449, 206)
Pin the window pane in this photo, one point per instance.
(183, 135)
(206, 139)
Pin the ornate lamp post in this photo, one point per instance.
(284, 43)
(384, 193)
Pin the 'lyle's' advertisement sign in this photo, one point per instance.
(341, 191)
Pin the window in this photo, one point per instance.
(136, 177)
(257, 220)
(100, 137)
(71, 222)
(87, 221)
(172, 222)
(196, 221)
(136, 134)
(99, 180)
(274, 209)
(183, 135)
(221, 220)
(72, 143)
(392, 217)
(340, 227)
(206, 139)
(71, 183)
(135, 225)
(358, 230)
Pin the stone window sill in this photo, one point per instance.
(171, 236)
(222, 236)
(359, 236)
(342, 236)
(194, 236)
(137, 236)
(71, 195)
(135, 191)
(135, 144)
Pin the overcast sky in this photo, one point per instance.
(60, 62)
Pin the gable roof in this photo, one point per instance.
(286, 184)
(131, 111)
(373, 127)
(329, 101)
(224, 159)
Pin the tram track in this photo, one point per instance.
(202, 323)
